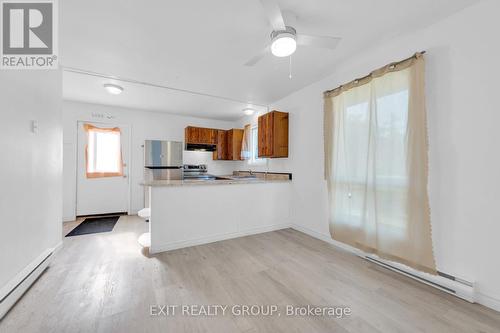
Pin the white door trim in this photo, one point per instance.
(128, 161)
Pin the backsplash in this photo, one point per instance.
(214, 167)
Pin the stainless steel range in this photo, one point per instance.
(197, 172)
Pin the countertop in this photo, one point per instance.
(196, 182)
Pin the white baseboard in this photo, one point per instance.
(480, 298)
(488, 301)
(327, 238)
(215, 238)
(16, 287)
(58, 247)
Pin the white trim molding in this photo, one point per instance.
(216, 238)
(488, 301)
(69, 218)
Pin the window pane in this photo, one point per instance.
(356, 141)
(392, 119)
(104, 152)
(255, 146)
(371, 175)
(391, 174)
(91, 146)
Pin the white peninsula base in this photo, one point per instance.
(188, 215)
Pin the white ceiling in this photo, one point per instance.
(138, 96)
(201, 46)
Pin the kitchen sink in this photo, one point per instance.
(236, 177)
(244, 177)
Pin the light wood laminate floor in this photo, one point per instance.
(106, 283)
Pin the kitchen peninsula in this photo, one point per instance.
(192, 212)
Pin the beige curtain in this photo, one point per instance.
(376, 164)
(245, 143)
(103, 155)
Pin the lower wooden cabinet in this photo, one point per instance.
(273, 135)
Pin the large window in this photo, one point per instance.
(376, 164)
(374, 155)
(103, 152)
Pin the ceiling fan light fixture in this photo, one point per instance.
(283, 44)
(113, 89)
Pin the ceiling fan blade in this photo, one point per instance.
(257, 57)
(318, 41)
(274, 14)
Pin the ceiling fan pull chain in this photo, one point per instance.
(290, 68)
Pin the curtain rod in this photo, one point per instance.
(122, 79)
(392, 64)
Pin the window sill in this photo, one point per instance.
(262, 162)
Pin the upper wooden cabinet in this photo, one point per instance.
(234, 141)
(200, 135)
(273, 134)
(228, 143)
(221, 152)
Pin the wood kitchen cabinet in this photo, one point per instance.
(228, 143)
(200, 135)
(234, 141)
(221, 152)
(273, 135)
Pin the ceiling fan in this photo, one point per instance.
(284, 37)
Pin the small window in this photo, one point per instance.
(254, 144)
(103, 152)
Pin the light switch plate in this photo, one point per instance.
(34, 126)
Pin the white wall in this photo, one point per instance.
(145, 125)
(462, 87)
(30, 168)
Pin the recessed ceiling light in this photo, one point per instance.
(283, 44)
(113, 88)
(248, 111)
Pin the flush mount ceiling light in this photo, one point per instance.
(113, 89)
(248, 111)
(284, 43)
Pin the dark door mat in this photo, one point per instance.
(94, 225)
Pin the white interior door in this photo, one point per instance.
(102, 195)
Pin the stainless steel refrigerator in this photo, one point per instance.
(163, 159)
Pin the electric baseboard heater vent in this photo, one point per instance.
(445, 282)
(15, 288)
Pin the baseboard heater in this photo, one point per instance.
(445, 282)
(16, 287)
